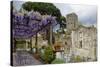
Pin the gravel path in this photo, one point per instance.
(22, 58)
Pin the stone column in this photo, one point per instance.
(31, 44)
(50, 34)
(58, 55)
(26, 46)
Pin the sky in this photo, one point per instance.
(87, 14)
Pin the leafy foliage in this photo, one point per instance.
(63, 24)
(45, 8)
(48, 55)
(77, 59)
(63, 18)
(21, 42)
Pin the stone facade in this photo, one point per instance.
(82, 39)
(84, 42)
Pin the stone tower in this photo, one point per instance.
(72, 21)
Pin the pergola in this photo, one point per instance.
(25, 26)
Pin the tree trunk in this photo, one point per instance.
(36, 43)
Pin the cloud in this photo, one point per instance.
(64, 8)
(87, 14)
(17, 4)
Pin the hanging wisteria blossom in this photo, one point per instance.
(28, 25)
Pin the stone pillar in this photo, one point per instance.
(26, 45)
(50, 34)
(31, 44)
(58, 55)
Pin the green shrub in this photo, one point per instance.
(48, 54)
(77, 59)
(58, 61)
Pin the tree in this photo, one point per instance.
(63, 24)
(44, 8)
(63, 18)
